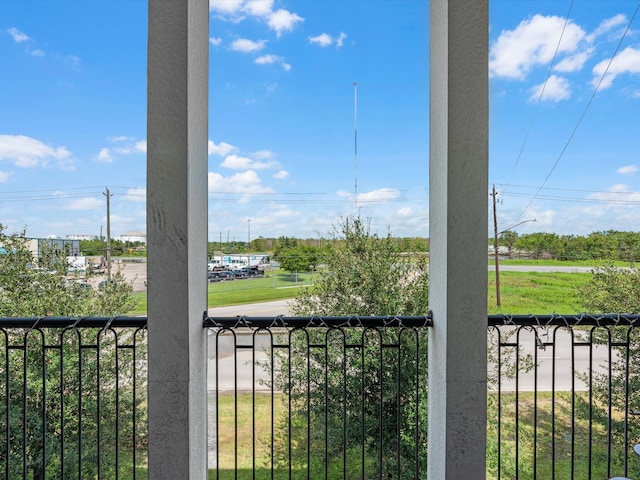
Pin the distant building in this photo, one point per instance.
(69, 247)
(132, 237)
(82, 237)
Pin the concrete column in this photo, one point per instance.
(458, 232)
(177, 116)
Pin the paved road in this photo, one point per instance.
(540, 268)
(237, 370)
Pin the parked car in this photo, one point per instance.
(252, 271)
(217, 276)
(103, 284)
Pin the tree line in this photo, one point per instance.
(603, 245)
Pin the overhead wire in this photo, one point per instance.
(582, 116)
(542, 90)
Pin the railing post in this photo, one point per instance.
(177, 126)
(458, 226)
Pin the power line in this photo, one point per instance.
(584, 112)
(544, 86)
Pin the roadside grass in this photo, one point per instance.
(523, 293)
(564, 439)
(561, 263)
(273, 286)
(560, 428)
(520, 292)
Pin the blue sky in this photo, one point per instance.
(564, 108)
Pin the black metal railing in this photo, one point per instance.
(563, 391)
(321, 397)
(327, 397)
(73, 394)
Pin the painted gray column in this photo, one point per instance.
(177, 116)
(458, 232)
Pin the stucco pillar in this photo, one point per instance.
(458, 232)
(177, 115)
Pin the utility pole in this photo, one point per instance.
(495, 245)
(108, 195)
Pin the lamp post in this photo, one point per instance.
(248, 233)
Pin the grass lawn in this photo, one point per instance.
(520, 292)
(252, 441)
(271, 287)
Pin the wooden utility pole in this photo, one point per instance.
(495, 245)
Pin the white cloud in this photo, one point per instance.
(72, 60)
(283, 20)
(267, 59)
(225, 6)
(405, 212)
(4, 176)
(222, 149)
(617, 194)
(258, 8)
(609, 24)
(236, 162)
(264, 154)
(37, 53)
(555, 89)
(626, 61)
(273, 59)
(86, 203)
(104, 156)
(532, 43)
(215, 41)
(379, 195)
(136, 194)
(140, 146)
(326, 40)
(246, 182)
(25, 151)
(17, 35)
(281, 175)
(574, 63)
(119, 138)
(244, 163)
(627, 170)
(323, 40)
(245, 45)
(126, 146)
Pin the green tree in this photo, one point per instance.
(508, 238)
(45, 365)
(301, 258)
(369, 398)
(615, 290)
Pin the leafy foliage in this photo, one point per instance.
(615, 290)
(357, 396)
(36, 287)
(62, 386)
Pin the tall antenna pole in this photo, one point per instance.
(108, 195)
(355, 144)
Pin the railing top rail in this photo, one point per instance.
(73, 322)
(583, 319)
(319, 321)
(534, 320)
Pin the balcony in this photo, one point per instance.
(320, 397)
